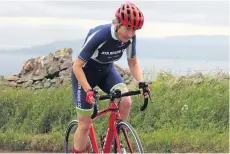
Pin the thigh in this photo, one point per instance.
(112, 80)
(79, 94)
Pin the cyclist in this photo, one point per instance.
(94, 66)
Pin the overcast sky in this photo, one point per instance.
(28, 23)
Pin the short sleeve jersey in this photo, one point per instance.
(101, 47)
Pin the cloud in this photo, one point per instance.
(25, 23)
(161, 29)
(150, 29)
(192, 12)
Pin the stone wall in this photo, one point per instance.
(49, 71)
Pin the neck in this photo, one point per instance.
(116, 31)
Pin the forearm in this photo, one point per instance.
(136, 71)
(80, 75)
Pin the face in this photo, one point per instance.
(125, 33)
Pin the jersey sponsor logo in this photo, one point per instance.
(79, 96)
(113, 52)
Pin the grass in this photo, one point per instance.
(185, 116)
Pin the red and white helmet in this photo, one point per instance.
(130, 16)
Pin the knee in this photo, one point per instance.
(84, 124)
(126, 102)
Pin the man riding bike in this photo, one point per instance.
(94, 66)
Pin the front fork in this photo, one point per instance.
(93, 139)
(117, 140)
(112, 135)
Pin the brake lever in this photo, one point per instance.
(95, 106)
(150, 97)
(149, 92)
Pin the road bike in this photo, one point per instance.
(120, 137)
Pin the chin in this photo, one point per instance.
(125, 40)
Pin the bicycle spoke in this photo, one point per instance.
(129, 140)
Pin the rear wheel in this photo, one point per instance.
(129, 140)
(69, 138)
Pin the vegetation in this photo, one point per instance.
(186, 116)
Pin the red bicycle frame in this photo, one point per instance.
(111, 132)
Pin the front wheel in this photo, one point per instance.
(129, 140)
(69, 138)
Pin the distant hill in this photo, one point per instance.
(197, 47)
(47, 48)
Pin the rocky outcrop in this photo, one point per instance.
(48, 71)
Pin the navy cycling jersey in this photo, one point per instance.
(101, 47)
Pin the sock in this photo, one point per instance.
(76, 151)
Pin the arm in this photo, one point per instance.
(80, 75)
(135, 69)
(91, 43)
(133, 64)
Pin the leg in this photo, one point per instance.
(82, 132)
(84, 111)
(125, 104)
(112, 81)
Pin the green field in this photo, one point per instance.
(187, 115)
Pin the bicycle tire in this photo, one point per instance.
(71, 125)
(131, 130)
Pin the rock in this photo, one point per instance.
(28, 84)
(54, 69)
(36, 82)
(39, 86)
(12, 84)
(53, 81)
(26, 77)
(66, 80)
(56, 83)
(48, 60)
(66, 64)
(69, 71)
(120, 70)
(126, 76)
(126, 71)
(63, 53)
(62, 78)
(19, 81)
(63, 73)
(47, 84)
(44, 80)
(12, 78)
(50, 71)
(28, 66)
(126, 81)
(40, 74)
